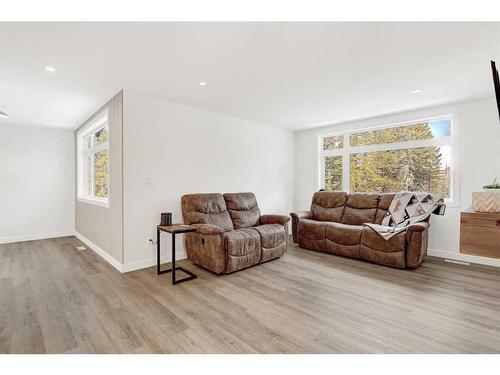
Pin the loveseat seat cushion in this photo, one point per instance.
(271, 235)
(328, 205)
(360, 208)
(243, 248)
(311, 234)
(243, 209)
(376, 249)
(272, 240)
(206, 209)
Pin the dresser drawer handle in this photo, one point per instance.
(497, 223)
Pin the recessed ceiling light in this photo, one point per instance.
(50, 69)
(203, 83)
(3, 115)
(416, 92)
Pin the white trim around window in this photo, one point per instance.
(88, 147)
(347, 150)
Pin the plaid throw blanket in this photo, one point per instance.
(406, 208)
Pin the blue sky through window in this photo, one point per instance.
(440, 128)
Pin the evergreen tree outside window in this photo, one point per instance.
(414, 156)
(93, 161)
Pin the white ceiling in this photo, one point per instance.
(273, 73)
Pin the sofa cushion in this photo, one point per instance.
(243, 209)
(344, 234)
(206, 209)
(376, 249)
(271, 235)
(360, 208)
(394, 259)
(383, 206)
(343, 239)
(373, 240)
(328, 205)
(311, 234)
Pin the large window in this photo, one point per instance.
(93, 161)
(413, 156)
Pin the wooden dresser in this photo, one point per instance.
(480, 234)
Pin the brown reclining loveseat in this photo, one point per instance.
(334, 225)
(231, 233)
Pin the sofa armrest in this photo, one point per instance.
(417, 227)
(296, 217)
(302, 215)
(274, 219)
(208, 229)
(416, 244)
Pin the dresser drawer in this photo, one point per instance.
(480, 219)
(480, 234)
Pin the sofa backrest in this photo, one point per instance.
(383, 206)
(353, 209)
(206, 209)
(328, 205)
(360, 208)
(243, 209)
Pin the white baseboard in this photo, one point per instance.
(133, 266)
(128, 267)
(34, 237)
(108, 258)
(464, 257)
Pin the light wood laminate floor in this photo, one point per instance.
(57, 299)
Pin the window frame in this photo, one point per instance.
(348, 150)
(100, 121)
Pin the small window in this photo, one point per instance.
(93, 161)
(333, 141)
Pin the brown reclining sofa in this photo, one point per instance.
(334, 225)
(231, 233)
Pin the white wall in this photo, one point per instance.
(182, 150)
(478, 154)
(36, 182)
(101, 228)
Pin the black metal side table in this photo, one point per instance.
(173, 230)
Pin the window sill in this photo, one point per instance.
(95, 202)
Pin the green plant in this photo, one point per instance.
(494, 185)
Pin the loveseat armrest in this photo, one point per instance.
(296, 217)
(416, 244)
(208, 229)
(274, 219)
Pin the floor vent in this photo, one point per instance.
(81, 248)
(457, 262)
